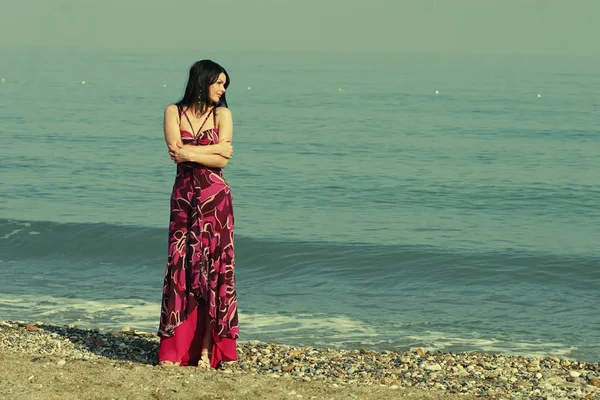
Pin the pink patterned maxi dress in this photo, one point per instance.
(200, 276)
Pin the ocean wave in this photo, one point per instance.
(307, 329)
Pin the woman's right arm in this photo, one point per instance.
(171, 126)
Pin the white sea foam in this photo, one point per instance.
(313, 329)
(308, 324)
(86, 313)
(440, 341)
(14, 232)
(144, 316)
(17, 230)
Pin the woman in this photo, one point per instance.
(199, 319)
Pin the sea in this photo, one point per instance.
(382, 201)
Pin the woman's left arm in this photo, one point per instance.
(225, 126)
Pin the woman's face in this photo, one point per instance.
(217, 89)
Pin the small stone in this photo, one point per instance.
(433, 367)
(420, 352)
(32, 328)
(61, 363)
(295, 353)
(595, 382)
(288, 368)
(554, 380)
(306, 378)
(574, 374)
(125, 328)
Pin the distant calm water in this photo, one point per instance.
(370, 211)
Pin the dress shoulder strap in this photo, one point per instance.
(214, 117)
(212, 111)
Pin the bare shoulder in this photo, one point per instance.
(171, 110)
(223, 113)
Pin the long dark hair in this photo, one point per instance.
(203, 73)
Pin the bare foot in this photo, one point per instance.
(204, 361)
(207, 341)
(168, 364)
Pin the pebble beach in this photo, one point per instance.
(340, 373)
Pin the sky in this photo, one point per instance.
(554, 27)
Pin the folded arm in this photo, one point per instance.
(215, 155)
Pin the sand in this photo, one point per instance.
(24, 376)
(45, 361)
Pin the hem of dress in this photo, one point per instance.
(183, 346)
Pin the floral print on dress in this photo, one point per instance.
(200, 263)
